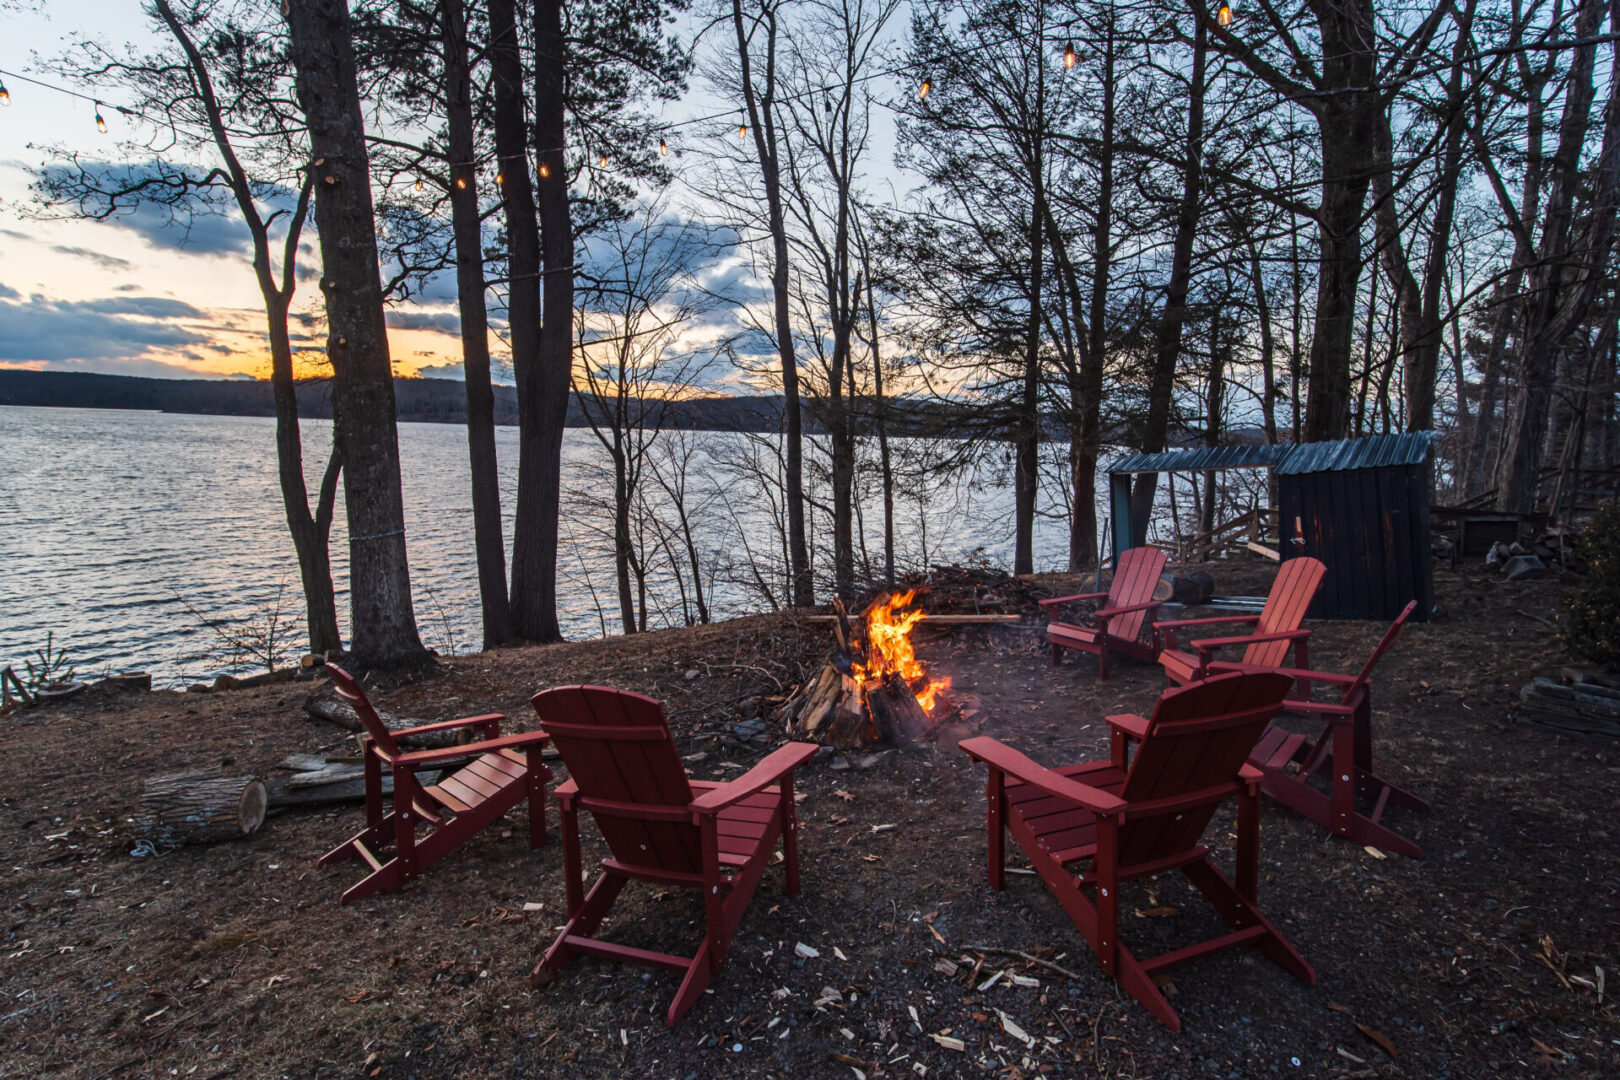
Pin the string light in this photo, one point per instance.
(922, 91)
(742, 131)
(1224, 14)
(1070, 57)
(418, 183)
(545, 170)
(461, 182)
(101, 124)
(500, 178)
(5, 95)
(602, 160)
(663, 148)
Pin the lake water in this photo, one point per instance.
(123, 534)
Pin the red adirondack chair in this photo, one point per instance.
(1275, 629)
(1341, 753)
(1128, 819)
(659, 826)
(1129, 604)
(504, 770)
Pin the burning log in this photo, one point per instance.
(886, 697)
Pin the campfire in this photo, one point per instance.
(873, 689)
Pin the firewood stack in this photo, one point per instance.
(848, 707)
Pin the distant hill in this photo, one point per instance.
(434, 401)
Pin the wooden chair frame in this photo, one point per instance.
(1063, 818)
(1119, 620)
(1276, 628)
(504, 770)
(738, 824)
(1341, 754)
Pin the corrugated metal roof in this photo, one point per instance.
(1374, 452)
(1202, 457)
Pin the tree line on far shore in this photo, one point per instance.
(1309, 220)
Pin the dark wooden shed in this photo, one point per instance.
(1359, 505)
(1362, 507)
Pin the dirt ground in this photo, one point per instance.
(1479, 960)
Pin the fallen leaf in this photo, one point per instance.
(1155, 912)
(846, 796)
(845, 1059)
(1376, 1036)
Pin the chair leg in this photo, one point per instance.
(698, 977)
(996, 798)
(790, 838)
(1240, 913)
(1057, 654)
(535, 791)
(584, 923)
(1102, 661)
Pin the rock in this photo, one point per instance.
(267, 678)
(198, 688)
(691, 673)
(128, 682)
(1523, 568)
(226, 682)
(748, 730)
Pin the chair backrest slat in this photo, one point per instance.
(1198, 738)
(1290, 597)
(1135, 579)
(617, 747)
(348, 688)
(1384, 645)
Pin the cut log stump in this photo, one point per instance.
(200, 808)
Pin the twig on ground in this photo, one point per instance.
(1065, 972)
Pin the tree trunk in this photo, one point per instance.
(543, 389)
(384, 624)
(310, 532)
(1557, 300)
(762, 122)
(1167, 347)
(489, 544)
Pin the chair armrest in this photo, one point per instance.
(1298, 674)
(1249, 774)
(1333, 710)
(1072, 599)
(780, 762)
(1214, 620)
(1129, 724)
(1209, 645)
(1126, 609)
(451, 753)
(1005, 759)
(490, 722)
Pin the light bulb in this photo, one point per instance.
(742, 131)
(418, 183)
(101, 124)
(545, 170)
(922, 91)
(1070, 57)
(602, 160)
(5, 95)
(500, 178)
(663, 148)
(1225, 14)
(461, 182)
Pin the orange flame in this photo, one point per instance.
(888, 648)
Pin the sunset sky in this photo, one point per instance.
(138, 296)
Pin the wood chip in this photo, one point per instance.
(1376, 1036)
(1374, 852)
(949, 1042)
(1014, 1030)
(806, 951)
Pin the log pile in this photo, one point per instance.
(199, 808)
(1583, 707)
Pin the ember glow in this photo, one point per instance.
(888, 649)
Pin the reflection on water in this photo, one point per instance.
(122, 532)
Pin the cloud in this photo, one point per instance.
(8, 293)
(441, 371)
(106, 262)
(446, 322)
(119, 334)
